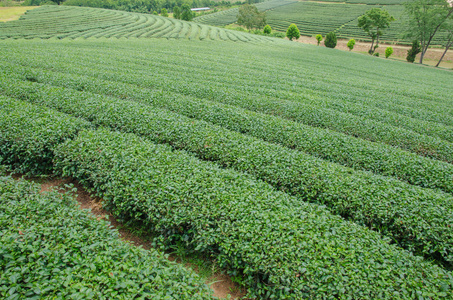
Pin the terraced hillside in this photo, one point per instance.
(229, 16)
(84, 22)
(303, 171)
(321, 17)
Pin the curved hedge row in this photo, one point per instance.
(282, 248)
(50, 249)
(26, 144)
(277, 245)
(322, 143)
(417, 218)
(311, 113)
(85, 22)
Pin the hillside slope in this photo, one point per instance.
(85, 22)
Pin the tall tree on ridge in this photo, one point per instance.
(426, 18)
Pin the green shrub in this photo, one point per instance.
(292, 32)
(331, 40)
(318, 38)
(27, 142)
(376, 54)
(279, 246)
(267, 29)
(412, 53)
(177, 12)
(351, 44)
(388, 52)
(164, 12)
(51, 249)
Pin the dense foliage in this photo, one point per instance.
(250, 17)
(319, 38)
(374, 22)
(292, 32)
(351, 44)
(50, 249)
(330, 40)
(138, 6)
(326, 144)
(266, 238)
(413, 51)
(398, 210)
(239, 131)
(26, 145)
(388, 52)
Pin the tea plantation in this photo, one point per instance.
(84, 22)
(303, 171)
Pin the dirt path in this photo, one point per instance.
(399, 51)
(221, 283)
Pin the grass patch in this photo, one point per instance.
(13, 13)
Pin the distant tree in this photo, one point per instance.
(388, 52)
(319, 38)
(448, 41)
(164, 12)
(351, 44)
(250, 17)
(374, 22)
(293, 32)
(331, 40)
(426, 17)
(413, 51)
(267, 29)
(186, 13)
(176, 12)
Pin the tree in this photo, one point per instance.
(413, 51)
(388, 52)
(426, 17)
(318, 38)
(186, 13)
(176, 12)
(293, 32)
(267, 29)
(373, 22)
(331, 40)
(250, 17)
(351, 44)
(164, 12)
(449, 41)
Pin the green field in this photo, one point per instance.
(84, 22)
(229, 16)
(312, 18)
(302, 171)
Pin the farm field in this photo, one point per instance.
(322, 17)
(84, 22)
(303, 171)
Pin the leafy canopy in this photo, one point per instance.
(293, 32)
(351, 44)
(250, 17)
(319, 38)
(373, 22)
(426, 17)
(331, 40)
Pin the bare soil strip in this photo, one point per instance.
(400, 51)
